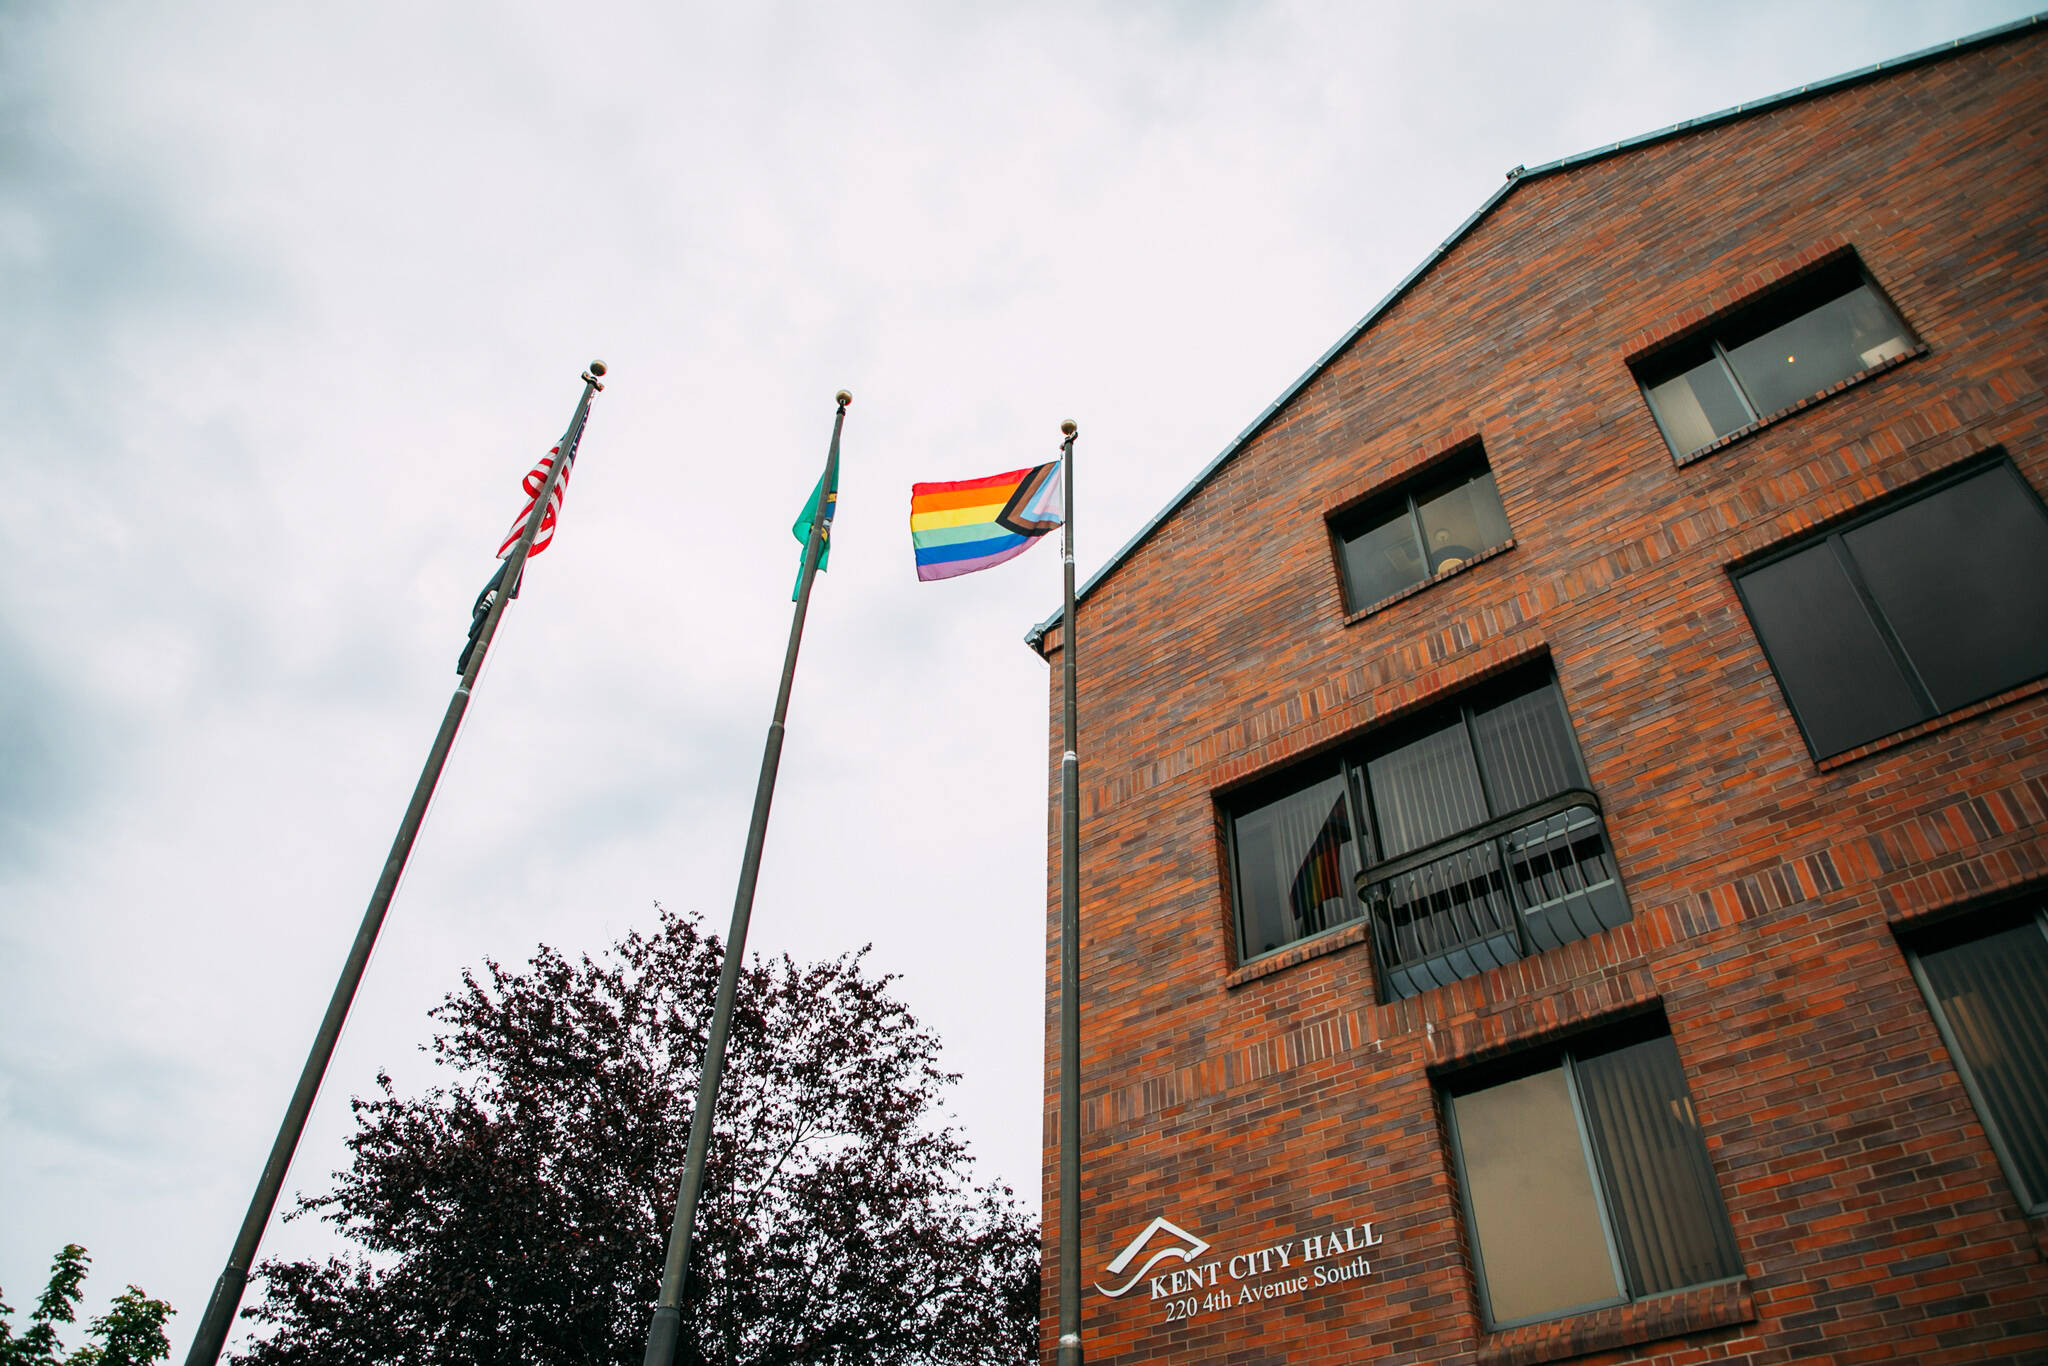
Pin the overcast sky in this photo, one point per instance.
(291, 297)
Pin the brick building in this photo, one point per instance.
(1565, 794)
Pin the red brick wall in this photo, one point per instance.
(1870, 1213)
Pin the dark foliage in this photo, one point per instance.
(519, 1213)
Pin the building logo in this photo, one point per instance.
(1177, 1242)
(1335, 1251)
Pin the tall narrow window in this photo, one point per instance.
(1585, 1179)
(1911, 611)
(1421, 529)
(1988, 983)
(1789, 345)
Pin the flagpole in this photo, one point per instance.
(234, 1279)
(1070, 947)
(666, 1327)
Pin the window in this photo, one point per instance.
(1908, 612)
(1987, 982)
(1789, 345)
(1584, 1178)
(1295, 858)
(1423, 529)
(1468, 837)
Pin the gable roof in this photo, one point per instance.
(1520, 175)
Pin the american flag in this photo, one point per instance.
(536, 480)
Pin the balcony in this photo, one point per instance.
(1529, 881)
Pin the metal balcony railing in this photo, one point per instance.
(1526, 882)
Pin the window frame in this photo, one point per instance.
(2033, 1204)
(1465, 705)
(1561, 1059)
(1402, 500)
(1349, 761)
(1288, 781)
(1832, 537)
(1661, 361)
(1563, 1055)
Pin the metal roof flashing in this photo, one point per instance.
(1035, 637)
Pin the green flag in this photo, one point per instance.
(801, 529)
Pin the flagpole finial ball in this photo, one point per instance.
(842, 398)
(597, 368)
(1068, 428)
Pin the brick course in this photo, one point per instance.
(1767, 891)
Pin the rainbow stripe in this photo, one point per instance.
(969, 524)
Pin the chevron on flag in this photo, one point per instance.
(536, 480)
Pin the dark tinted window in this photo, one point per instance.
(1828, 650)
(1989, 988)
(1427, 528)
(1789, 345)
(1586, 1180)
(1962, 579)
(1912, 611)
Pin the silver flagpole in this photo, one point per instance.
(667, 1325)
(1070, 949)
(234, 1279)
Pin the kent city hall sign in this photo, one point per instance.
(1307, 1262)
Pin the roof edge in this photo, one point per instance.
(1035, 637)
